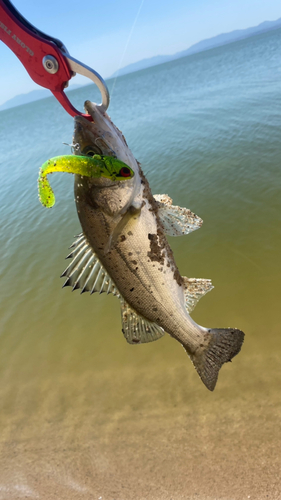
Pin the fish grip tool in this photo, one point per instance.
(45, 58)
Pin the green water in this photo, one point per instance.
(82, 413)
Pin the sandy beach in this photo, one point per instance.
(154, 433)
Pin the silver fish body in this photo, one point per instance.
(140, 263)
(124, 228)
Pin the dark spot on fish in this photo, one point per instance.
(132, 289)
(130, 233)
(154, 309)
(130, 253)
(134, 262)
(178, 277)
(156, 251)
(163, 246)
(122, 237)
(136, 341)
(136, 268)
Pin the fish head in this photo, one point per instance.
(119, 185)
(99, 136)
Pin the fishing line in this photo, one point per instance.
(125, 49)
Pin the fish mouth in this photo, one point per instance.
(90, 137)
(91, 108)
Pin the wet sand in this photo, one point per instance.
(144, 429)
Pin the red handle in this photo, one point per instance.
(31, 48)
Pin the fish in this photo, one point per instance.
(123, 250)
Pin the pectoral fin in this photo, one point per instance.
(137, 329)
(176, 221)
(194, 289)
(133, 211)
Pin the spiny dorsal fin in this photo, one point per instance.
(86, 271)
(137, 329)
(176, 221)
(194, 289)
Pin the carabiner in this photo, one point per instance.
(46, 59)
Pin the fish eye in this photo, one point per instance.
(91, 151)
(125, 172)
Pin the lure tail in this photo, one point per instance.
(223, 345)
(82, 165)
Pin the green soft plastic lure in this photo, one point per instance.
(95, 166)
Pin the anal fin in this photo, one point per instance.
(137, 329)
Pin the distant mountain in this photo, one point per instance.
(34, 95)
(207, 44)
(144, 63)
(233, 36)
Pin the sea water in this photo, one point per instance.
(81, 411)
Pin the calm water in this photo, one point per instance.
(82, 413)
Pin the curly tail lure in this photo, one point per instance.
(96, 166)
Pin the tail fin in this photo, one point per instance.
(224, 344)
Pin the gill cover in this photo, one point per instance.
(96, 166)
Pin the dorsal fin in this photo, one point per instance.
(137, 329)
(194, 289)
(176, 221)
(86, 271)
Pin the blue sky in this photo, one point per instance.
(100, 34)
